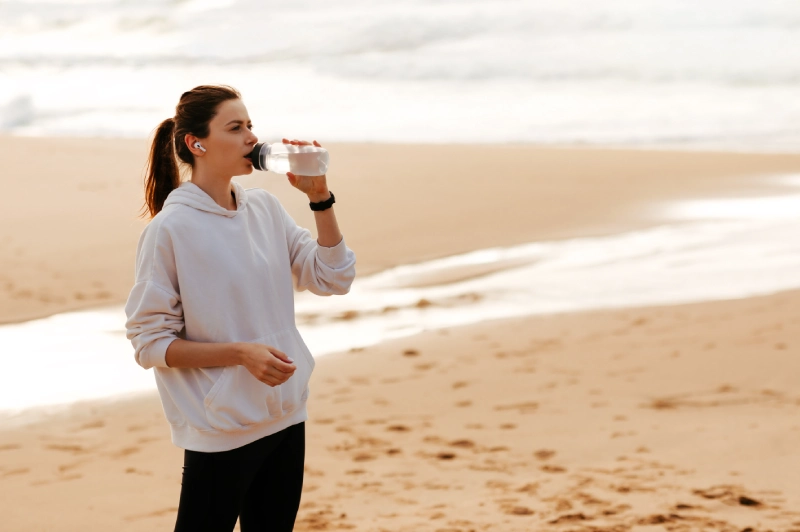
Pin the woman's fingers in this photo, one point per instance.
(274, 376)
(296, 142)
(285, 362)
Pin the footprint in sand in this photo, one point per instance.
(398, 428)
(463, 404)
(519, 510)
(97, 424)
(126, 451)
(70, 448)
(568, 518)
(134, 471)
(19, 471)
(66, 467)
(410, 353)
(544, 454)
(563, 505)
(729, 494)
(531, 488)
(522, 408)
(157, 513)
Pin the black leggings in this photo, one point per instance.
(259, 483)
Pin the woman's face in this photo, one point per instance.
(230, 140)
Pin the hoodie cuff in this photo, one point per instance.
(335, 257)
(157, 352)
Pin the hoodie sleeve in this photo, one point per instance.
(321, 270)
(154, 308)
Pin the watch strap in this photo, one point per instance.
(323, 205)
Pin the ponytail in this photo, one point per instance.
(162, 169)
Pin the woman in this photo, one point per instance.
(212, 310)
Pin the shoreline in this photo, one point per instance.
(73, 248)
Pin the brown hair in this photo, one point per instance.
(193, 113)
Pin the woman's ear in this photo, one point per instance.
(195, 145)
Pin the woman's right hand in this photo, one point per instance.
(266, 363)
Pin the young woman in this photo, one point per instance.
(212, 310)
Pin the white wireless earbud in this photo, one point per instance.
(199, 146)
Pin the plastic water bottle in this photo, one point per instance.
(281, 158)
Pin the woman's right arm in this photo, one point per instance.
(264, 362)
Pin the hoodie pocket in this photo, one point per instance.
(238, 399)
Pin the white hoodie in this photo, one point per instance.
(208, 274)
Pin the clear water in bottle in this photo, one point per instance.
(281, 158)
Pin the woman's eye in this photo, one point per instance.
(235, 128)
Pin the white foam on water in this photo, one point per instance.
(716, 73)
(711, 250)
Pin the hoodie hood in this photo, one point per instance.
(190, 194)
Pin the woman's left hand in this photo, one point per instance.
(315, 186)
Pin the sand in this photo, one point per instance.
(675, 418)
(671, 418)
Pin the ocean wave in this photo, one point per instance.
(629, 71)
(17, 113)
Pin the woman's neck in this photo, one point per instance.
(220, 190)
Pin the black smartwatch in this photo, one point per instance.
(323, 205)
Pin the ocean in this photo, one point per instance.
(695, 74)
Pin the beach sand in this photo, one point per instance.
(669, 418)
(674, 418)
